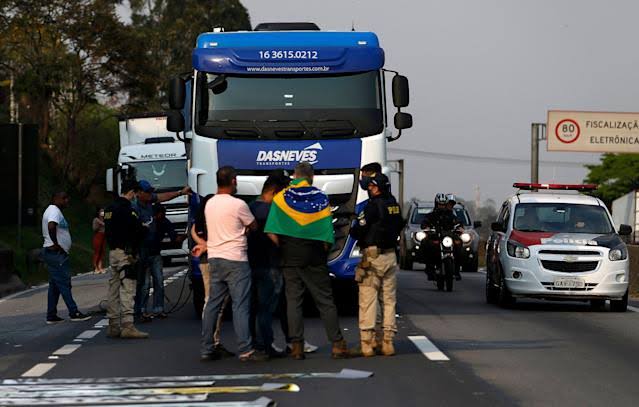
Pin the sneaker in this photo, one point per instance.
(223, 352)
(254, 356)
(211, 356)
(54, 320)
(274, 354)
(277, 348)
(78, 316)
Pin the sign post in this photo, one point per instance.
(593, 132)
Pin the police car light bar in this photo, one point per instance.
(562, 187)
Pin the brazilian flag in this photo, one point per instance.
(301, 211)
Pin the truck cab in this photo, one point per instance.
(270, 98)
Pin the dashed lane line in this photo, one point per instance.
(38, 370)
(427, 348)
(66, 350)
(88, 334)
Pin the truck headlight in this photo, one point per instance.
(517, 250)
(447, 241)
(465, 237)
(618, 254)
(419, 236)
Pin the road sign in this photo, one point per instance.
(593, 132)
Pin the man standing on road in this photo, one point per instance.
(228, 220)
(144, 207)
(301, 224)
(55, 254)
(124, 233)
(376, 231)
(264, 261)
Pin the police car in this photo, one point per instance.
(557, 245)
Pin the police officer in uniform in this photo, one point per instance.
(376, 231)
(124, 233)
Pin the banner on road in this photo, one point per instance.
(593, 132)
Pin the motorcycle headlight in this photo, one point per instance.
(447, 241)
(517, 250)
(465, 237)
(419, 236)
(618, 254)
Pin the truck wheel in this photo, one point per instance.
(619, 305)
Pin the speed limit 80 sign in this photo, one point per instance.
(604, 132)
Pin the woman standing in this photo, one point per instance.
(99, 242)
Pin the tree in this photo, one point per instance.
(616, 175)
(162, 37)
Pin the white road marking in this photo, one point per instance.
(633, 309)
(427, 348)
(66, 350)
(38, 370)
(54, 357)
(102, 323)
(88, 334)
(78, 340)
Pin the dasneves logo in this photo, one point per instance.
(279, 157)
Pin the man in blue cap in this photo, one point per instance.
(144, 207)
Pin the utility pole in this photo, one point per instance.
(13, 114)
(20, 134)
(537, 133)
(397, 166)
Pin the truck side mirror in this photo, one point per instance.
(403, 120)
(175, 121)
(109, 179)
(177, 93)
(400, 91)
(477, 224)
(497, 227)
(625, 230)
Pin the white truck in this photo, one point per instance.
(625, 210)
(149, 152)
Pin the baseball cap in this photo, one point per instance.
(145, 186)
(381, 181)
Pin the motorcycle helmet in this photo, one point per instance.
(451, 198)
(440, 199)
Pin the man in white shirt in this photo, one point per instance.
(228, 219)
(55, 254)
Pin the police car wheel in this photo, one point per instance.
(504, 298)
(619, 305)
(491, 291)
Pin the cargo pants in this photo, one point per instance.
(379, 288)
(121, 289)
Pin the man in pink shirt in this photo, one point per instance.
(228, 220)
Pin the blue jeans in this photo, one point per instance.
(267, 285)
(59, 281)
(234, 278)
(155, 266)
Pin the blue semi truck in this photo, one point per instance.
(284, 93)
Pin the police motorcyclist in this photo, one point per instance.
(124, 233)
(376, 231)
(441, 218)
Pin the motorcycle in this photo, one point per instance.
(446, 239)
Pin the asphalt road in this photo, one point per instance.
(453, 349)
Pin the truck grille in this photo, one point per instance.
(569, 267)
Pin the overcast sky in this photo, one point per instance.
(481, 71)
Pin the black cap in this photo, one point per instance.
(130, 185)
(381, 181)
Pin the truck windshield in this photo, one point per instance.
(292, 106)
(562, 218)
(162, 175)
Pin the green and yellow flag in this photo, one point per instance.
(301, 211)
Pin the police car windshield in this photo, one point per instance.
(419, 214)
(289, 106)
(162, 175)
(562, 218)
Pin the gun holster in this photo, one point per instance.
(362, 268)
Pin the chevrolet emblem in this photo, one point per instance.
(570, 259)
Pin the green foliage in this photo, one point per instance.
(617, 175)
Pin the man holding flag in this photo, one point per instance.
(301, 224)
